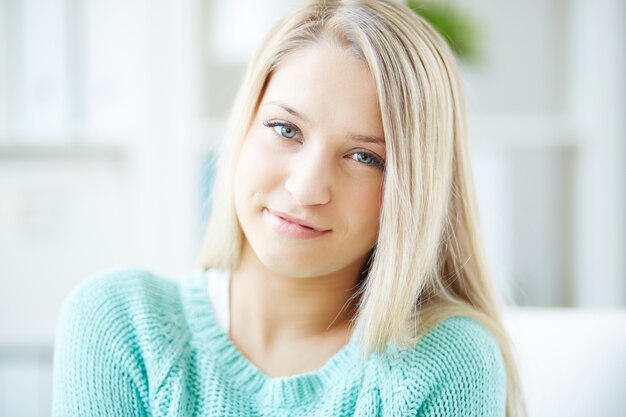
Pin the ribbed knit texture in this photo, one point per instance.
(131, 343)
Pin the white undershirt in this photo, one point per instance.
(218, 283)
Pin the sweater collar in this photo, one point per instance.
(208, 337)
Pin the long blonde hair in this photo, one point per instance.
(428, 262)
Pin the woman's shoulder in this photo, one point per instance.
(461, 338)
(134, 301)
(122, 285)
(457, 344)
(124, 291)
(456, 364)
(120, 333)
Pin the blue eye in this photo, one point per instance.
(284, 129)
(368, 159)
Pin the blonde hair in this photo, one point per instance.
(428, 262)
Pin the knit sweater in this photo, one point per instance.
(132, 343)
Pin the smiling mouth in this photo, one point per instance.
(299, 224)
(293, 226)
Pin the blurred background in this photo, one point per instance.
(110, 112)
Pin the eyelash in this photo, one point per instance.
(276, 123)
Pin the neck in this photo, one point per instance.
(270, 308)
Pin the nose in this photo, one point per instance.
(309, 180)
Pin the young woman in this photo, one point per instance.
(342, 272)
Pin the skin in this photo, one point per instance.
(290, 306)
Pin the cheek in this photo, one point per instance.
(255, 172)
(365, 204)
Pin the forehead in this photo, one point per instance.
(327, 83)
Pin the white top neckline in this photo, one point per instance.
(218, 285)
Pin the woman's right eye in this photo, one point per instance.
(284, 129)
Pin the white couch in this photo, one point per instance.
(572, 361)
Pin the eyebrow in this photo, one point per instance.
(368, 139)
(357, 138)
(289, 110)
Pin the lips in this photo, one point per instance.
(297, 221)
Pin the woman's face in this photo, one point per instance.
(309, 177)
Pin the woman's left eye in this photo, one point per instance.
(368, 159)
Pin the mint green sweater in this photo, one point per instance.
(131, 343)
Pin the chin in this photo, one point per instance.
(308, 265)
(290, 266)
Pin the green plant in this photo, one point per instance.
(459, 30)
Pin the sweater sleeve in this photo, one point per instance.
(97, 369)
(468, 376)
